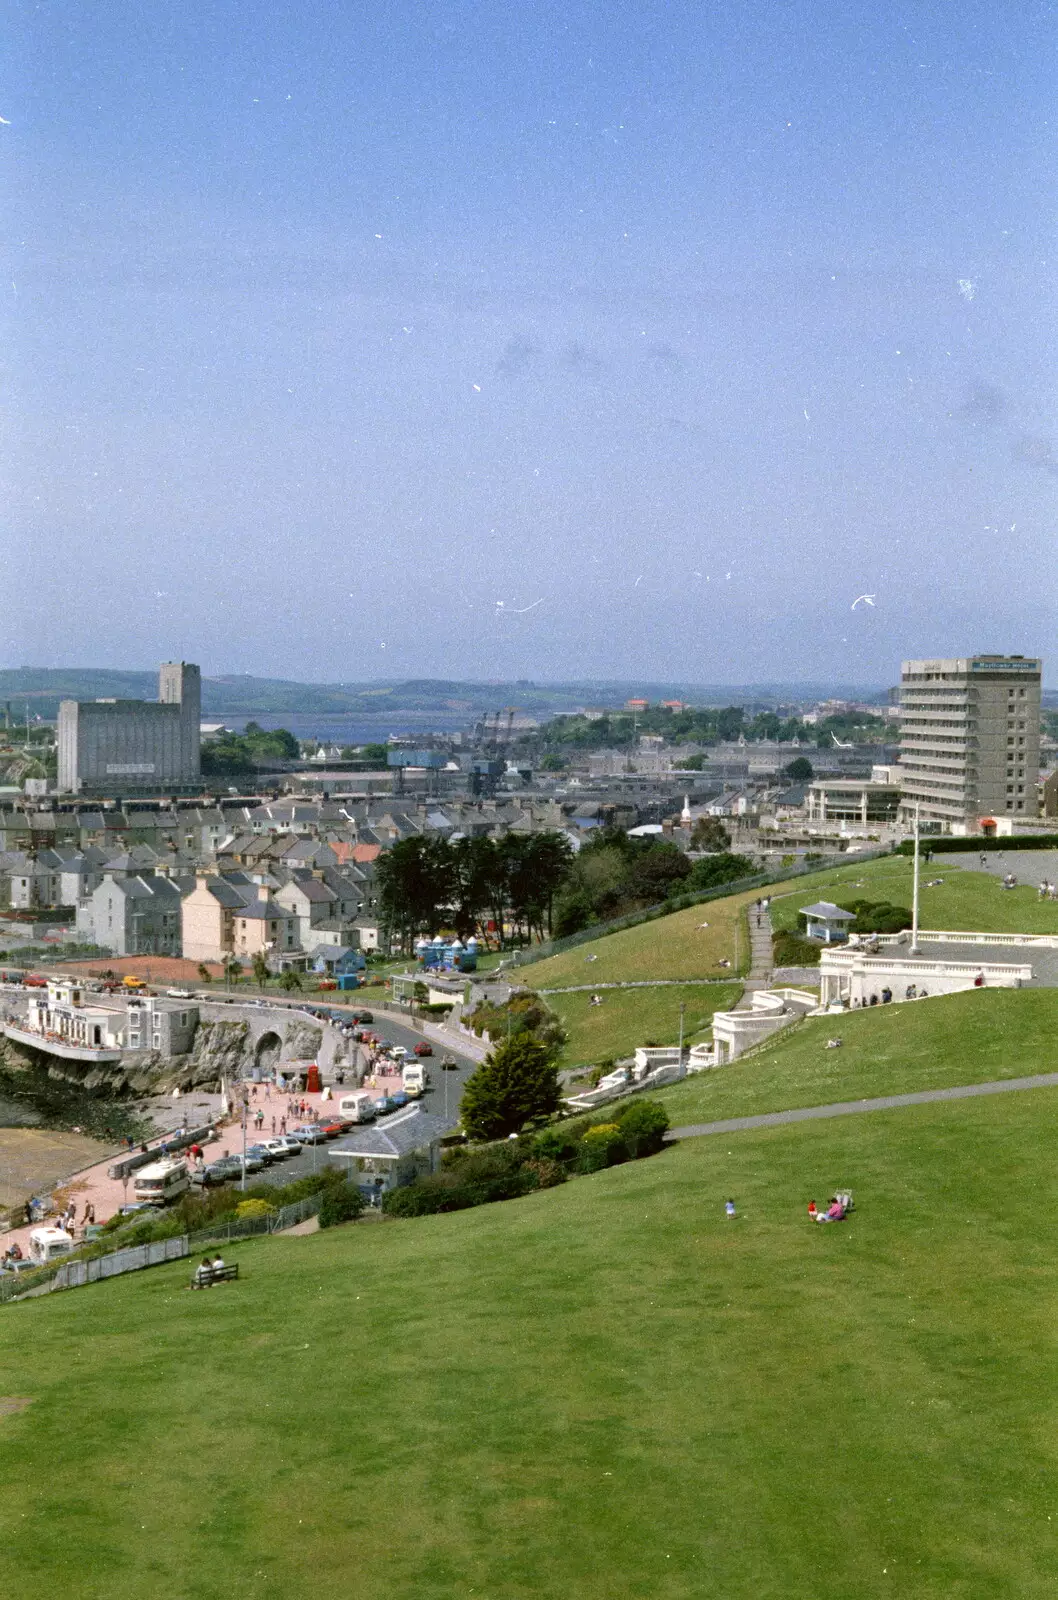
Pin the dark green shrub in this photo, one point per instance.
(555, 1144)
(790, 950)
(642, 1125)
(426, 1197)
(602, 1146)
(341, 1203)
(544, 1173)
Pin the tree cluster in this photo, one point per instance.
(425, 884)
(235, 753)
(705, 726)
(615, 874)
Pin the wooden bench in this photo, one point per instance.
(225, 1274)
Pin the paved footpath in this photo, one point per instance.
(852, 1108)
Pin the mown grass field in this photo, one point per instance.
(630, 1017)
(966, 901)
(606, 1391)
(675, 946)
(976, 1037)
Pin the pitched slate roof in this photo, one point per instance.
(408, 1131)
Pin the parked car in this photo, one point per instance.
(179, 994)
(280, 1148)
(387, 1103)
(333, 1128)
(253, 1163)
(423, 1049)
(292, 1145)
(400, 1099)
(312, 1133)
(215, 1173)
(262, 1151)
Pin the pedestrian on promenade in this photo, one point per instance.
(282, 1124)
(273, 1127)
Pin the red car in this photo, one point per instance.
(423, 1049)
(332, 1129)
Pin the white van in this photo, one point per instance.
(358, 1107)
(161, 1181)
(414, 1079)
(46, 1244)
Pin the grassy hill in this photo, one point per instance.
(965, 901)
(630, 1017)
(685, 944)
(975, 1037)
(606, 1391)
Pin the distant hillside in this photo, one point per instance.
(43, 687)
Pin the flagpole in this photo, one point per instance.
(914, 890)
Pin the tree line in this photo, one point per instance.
(467, 884)
(533, 886)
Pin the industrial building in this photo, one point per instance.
(969, 741)
(125, 747)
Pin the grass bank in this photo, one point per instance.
(602, 1392)
(930, 1044)
(965, 901)
(631, 1017)
(683, 944)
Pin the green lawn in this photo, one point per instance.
(675, 946)
(975, 1037)
(630, 1017)
(966, 901)
(606, 1391)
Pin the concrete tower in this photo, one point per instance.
(180, 683)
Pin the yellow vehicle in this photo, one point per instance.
(133, 983)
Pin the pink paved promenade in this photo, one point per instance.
(106, 1194)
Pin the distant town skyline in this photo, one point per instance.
(509, 342)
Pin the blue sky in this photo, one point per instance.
(672, 327)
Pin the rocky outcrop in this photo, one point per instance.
(221, 1050)
(302, 1042)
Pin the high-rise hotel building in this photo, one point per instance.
(969, 740)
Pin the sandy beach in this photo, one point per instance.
(36, 1160)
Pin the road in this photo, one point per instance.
(445, 1087)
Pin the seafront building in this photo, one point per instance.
(125, 747)
(969, 741)
(68, 1020)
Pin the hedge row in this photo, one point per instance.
(534, 1161)
(979, 844)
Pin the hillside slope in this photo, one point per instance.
(605, 1390)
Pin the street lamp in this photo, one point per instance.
(683, 1008)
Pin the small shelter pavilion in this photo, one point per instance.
(827, 922)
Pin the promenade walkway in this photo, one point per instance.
(853, 1108)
